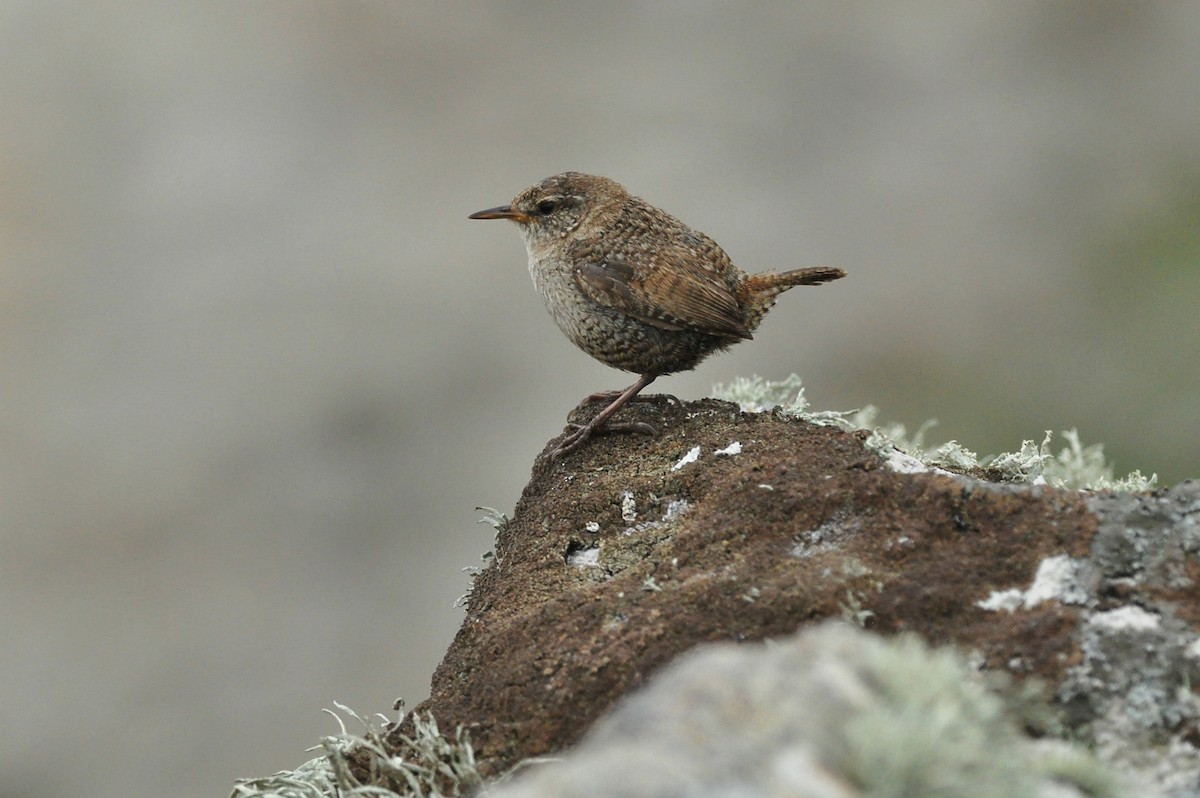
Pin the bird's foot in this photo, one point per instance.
(581, 432)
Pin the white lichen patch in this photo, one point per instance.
(730, 450)
(1009, 600)
(1130, 618)
(675, 509)
(585, 558)
(1056, 580)
(692, 456)
(628, 507)
(592, 526)
(903, 463)
(826, 537)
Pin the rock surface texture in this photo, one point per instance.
(742, 527)
(833, 712)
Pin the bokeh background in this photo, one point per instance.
(258, 369)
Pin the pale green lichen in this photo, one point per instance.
(945, 733)
(955, 456)
(757, 395)
(499, 522)
(1027, 464)
(425, 764)
(1076, 467)
(493, 518)
(853, 611)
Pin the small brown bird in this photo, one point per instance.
(633, 286)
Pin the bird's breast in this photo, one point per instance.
(610, 336)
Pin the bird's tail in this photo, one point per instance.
(782, 281)
(758, 291)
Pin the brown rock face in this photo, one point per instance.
(623, 555)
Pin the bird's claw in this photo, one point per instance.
(581, 432)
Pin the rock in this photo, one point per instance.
(833, 712)
(633, 551)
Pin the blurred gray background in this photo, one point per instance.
(258, 369)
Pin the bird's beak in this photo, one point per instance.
(500, 212)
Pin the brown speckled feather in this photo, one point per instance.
(652, 267)
(678, 296)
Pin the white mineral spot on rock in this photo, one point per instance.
(730, 450)
(675, 509)
(585, 558)
(692, 456)
(903, 463)
(1054, 580)
(1009, 600)
(1129, 618)
(628, 507)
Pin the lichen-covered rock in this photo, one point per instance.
(833, 712)
(740, 527)
(1132, 692)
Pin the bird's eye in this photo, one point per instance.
(546, 207)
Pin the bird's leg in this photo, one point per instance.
(584, 431)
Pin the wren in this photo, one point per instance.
(633, 286)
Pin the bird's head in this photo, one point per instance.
(570, 204)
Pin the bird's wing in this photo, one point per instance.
(674, 295)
